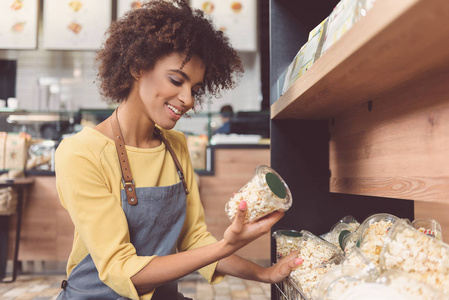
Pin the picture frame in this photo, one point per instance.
(123, 6)
(237, 19)
(18, 24)
(75, 24)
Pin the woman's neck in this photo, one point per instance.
(136, 128)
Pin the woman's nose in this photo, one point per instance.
(185, 96)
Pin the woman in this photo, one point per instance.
(128, 183)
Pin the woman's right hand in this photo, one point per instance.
(239, 234)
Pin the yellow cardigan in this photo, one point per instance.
(88, 180)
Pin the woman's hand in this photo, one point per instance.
(282, 268)
(239, 234)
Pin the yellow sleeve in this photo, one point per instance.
(97, 215)
(194, 233)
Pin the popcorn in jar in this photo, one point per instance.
(319, 256)
(418, 254)
(287, 241)
(265, 193)
(373, 233)
(429, 227)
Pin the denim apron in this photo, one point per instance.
(155, 223)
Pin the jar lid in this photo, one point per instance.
(273, 181)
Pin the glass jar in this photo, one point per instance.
(355, 258)
(349, 241)
(413, 252)
(372, 234)
(345, 226)
(319, 256)
(265, 193)
(409, 287)
(335, 282)
(429, 226)
(287, 241)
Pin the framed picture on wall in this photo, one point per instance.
(237, 19)
(75, 24)
(18, 24)
(123, 6)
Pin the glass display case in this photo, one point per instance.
(48, 128)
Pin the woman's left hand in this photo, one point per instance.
(282, 268)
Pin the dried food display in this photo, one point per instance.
(385, 256)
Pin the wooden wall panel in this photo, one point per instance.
(47, 231)
(233, 168)
(395, 146)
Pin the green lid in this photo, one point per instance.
(341, 237)
(276, 185)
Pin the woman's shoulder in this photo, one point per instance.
(88, 140)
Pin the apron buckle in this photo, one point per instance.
(64, 284)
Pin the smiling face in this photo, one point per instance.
(167, 92)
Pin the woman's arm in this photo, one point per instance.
(164, 269)
(237, 266)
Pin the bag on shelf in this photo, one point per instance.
(15, 152)
(8, 201)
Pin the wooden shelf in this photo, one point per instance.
(395, 42)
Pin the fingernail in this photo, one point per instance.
(299, 261)
(242, 204)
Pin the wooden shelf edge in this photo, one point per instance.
(427, 189)
(396, 41)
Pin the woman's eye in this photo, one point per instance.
(175, 82)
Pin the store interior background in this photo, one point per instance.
(62, 82)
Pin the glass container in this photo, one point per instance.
(372, 234)
(287, 241)
(265, 193)
(411, 251)
(429, 226)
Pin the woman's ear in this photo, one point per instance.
(136, 75)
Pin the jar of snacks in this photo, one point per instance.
(265, 193)
(319, 256)
(429, 226)
(287, 241)
(372, 234)
(345, 226)
(408, 286)
(337, 281)
(416, 253)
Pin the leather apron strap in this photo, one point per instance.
(127, 179)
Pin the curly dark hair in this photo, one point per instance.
(142, 36)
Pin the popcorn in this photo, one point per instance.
(355, 258)
(265, 193)
(318, 257)
(373, 239)
(307, 281)
(422, 256)
(287, 241)
(339, 287)
(428, 226)
(413, 289)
